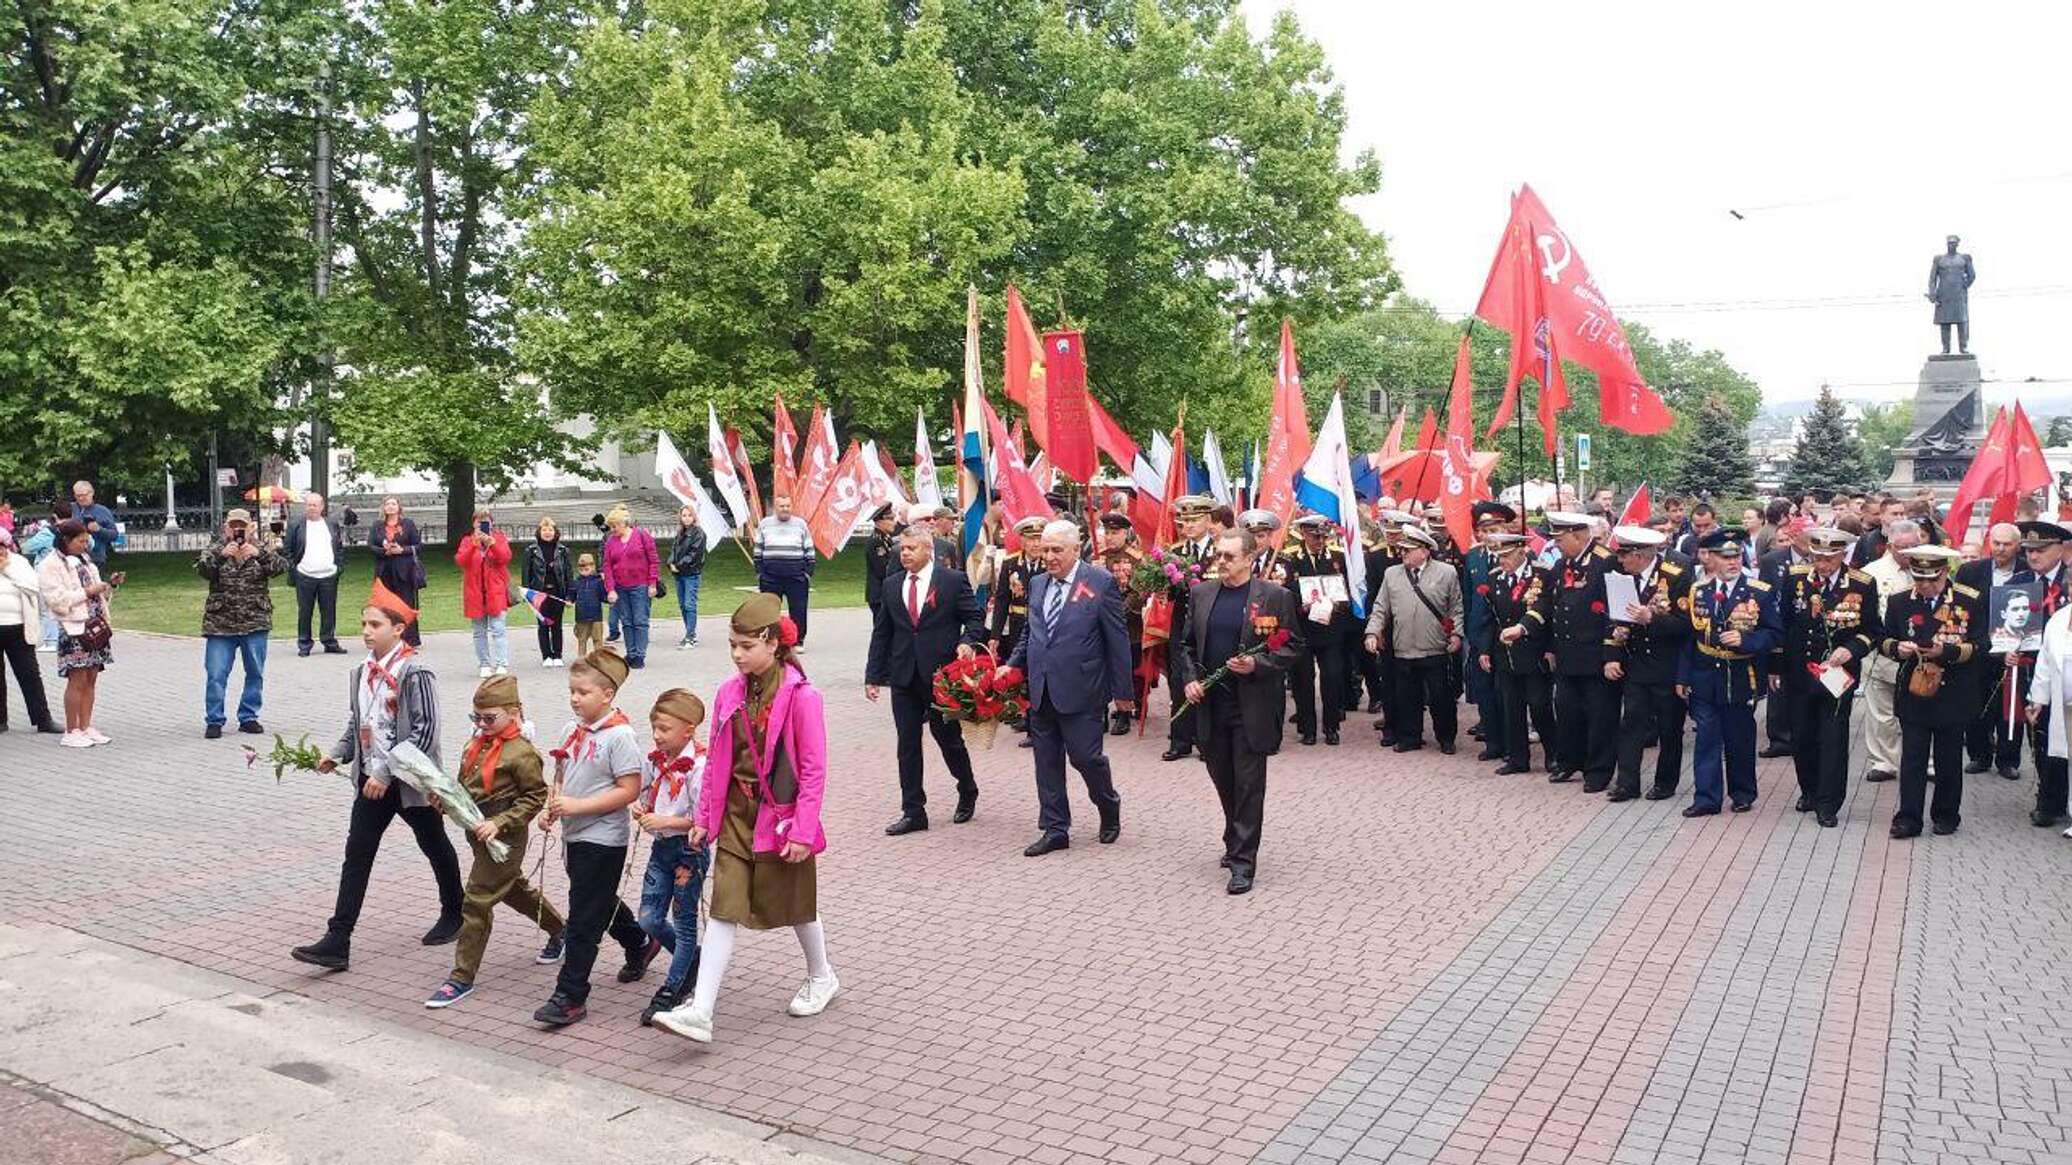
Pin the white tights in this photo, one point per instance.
(718, 948)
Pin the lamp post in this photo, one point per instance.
(172, 514)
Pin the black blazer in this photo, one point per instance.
(904, 654)
(1262, 700)
(297, 543)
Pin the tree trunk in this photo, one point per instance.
(460, 500)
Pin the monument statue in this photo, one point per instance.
(1949, 288)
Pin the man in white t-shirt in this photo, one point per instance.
(316, 550)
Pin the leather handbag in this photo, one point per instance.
(1926, 679)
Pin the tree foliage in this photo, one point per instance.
(1715, 462)
(1883, 429)
(1828, 456)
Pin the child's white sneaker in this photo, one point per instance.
(687, 1021)
(814, 997)
(485, 671)
(75, 740)
(96, 735)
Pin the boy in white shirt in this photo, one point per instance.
(669, 785)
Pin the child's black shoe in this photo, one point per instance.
(443, 931)
(559, 1011)
(637, 961)
(667, 996)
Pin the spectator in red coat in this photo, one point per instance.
(485, 591)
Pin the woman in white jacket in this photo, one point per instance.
(19, 622)
(2049, 692)
(71, 586)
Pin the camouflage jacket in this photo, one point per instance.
(239, 602)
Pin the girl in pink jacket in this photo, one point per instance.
(760, 810)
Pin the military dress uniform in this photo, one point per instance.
(1586, 704)
(1478, 568)
(1122, 563)
(1823, 613)
(1521, 598)
(1180, 736)
(1650, 654)
(1377, 670)
(1722, 681)
(881, 557)
(1950, 629)
(1326, 658)
(1007, 614)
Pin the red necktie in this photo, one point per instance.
(914, 599)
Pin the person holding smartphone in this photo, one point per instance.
(485, 592)
(73, 590)
(236, 620)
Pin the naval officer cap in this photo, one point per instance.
(1193, 506)
(1114, 520)
(1506, 539)
(1724, 540)
(1563, 520)
(2037, 534)
(1033, 524)
(1637, 537)
(1313, 524)
(1487, 511)
(1827, 542)
(1420, 536)
(1398, 518)
(1259, 521)
(1929, 560)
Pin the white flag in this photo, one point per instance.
(1212, 457)
(723, 475)
(927, 491)
(1161, 455)
(678, 479)
(1325, 485)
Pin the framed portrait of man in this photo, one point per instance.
(2017, 610)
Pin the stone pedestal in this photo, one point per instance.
(1949, 426)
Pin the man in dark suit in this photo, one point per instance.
(1986, 740)
(925, 615)
(1774, 566)
(1076, 653)
(1242, 716)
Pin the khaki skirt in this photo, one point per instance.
(758, 891)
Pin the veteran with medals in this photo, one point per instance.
(1316, 579)
(1513, 648)
(1830, 624)
(1734, 628)
(1642, 654)
(1937, 632)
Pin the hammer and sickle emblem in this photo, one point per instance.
(1549, 265)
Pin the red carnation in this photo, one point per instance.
(1482, 588)
(1597, 606)
(1915, 621)
(1277, 639)
(1011, 677)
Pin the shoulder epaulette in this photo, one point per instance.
(1756, 584)
(1858, 576)
(1802, 568)
(1670, 568)
(1600, 552)
(1963, 590)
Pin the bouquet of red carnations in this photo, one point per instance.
(981, 696)
(1272, 640)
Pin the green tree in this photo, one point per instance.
(2059, 432)
(1828, 456)
(1715, 461)
(1883, 429)
(153, 207)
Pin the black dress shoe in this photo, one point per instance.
(1489, 754)
(1658, 793)
(1743, 806)
(1975, 766)
(49, 728)
(1110, 830)
(1827, 820)
(2042, 820)
(1507, 768)
(443, 931)
(1775, 750)
(1446, 747)
(1700, 811)
(1561, 777)
(333, 952)
(334, 649)
(1876, 775)
(1942, 829)
(1027, 742)
(1176, 753)
(1901, 832)
(1047, 843)
(1804, 804)
(2008, 773)
(212, 732)
(907, 823)
(252, 728)
(1307, 738)
(965, 809)
(1618, 795)
(1331, 737)
(1118, 725)
(302, 651)
(1240, 882)
(1590, 786)
(1408, 746)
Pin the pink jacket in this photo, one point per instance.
(631, 562)
(797, 716)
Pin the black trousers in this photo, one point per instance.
(1820, 731)
(1650, 714)
(549, 629)
(1780, 723)
(320, 594)
(370, 820)
(1322, 666)
(1986, 738)
(1239, 775)
(1919, 746)
(17, 642)
(1421, 684)
(1378, 671)
(795, 589)
(1179, 730)
(1522, 694)
(1586, 711)
(1081, 737)
(2050, 770)
(594, 908)
(911, 708)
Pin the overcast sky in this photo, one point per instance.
(1854, 137)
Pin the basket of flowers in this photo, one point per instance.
(980, 696)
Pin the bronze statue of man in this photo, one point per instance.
(1949, 284)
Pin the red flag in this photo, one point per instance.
(1024, 366)
(1071, 439)
(1109, 437)
(2029, 471)
(841, 504)
(823, 457)
(784, 446)
(1428, 430)
(1287, 438)
(1458, 493)
(1512, 300)
(1639, 508)
(1419, 478)
(1019, 495)
(1988, 476)
(1176, 487)
(745, 469)
(1393, 443)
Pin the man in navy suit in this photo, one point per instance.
(926, 613)
(1076, 653)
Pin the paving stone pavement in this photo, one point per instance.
(1438, 964)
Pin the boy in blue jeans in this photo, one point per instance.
(669, 785)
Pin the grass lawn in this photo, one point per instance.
(163, 593)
